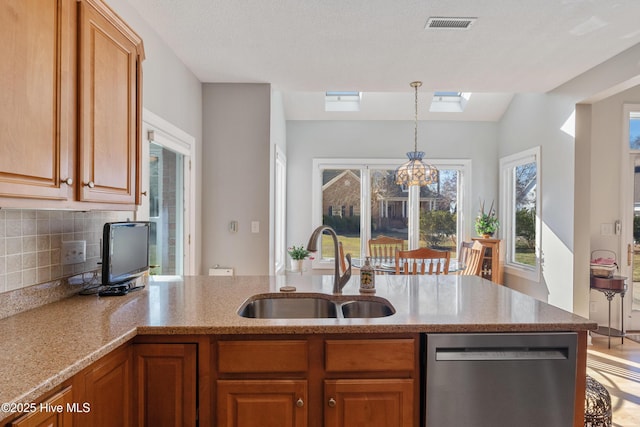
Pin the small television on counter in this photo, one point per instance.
(125, 253)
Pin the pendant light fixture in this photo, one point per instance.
(415, 171)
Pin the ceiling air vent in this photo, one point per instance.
(450, 23)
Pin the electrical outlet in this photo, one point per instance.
(255, 226)
(593, 307)
(74, 252)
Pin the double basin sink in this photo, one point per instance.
(314, 306)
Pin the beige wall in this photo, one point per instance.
(236, 176)
(582, 205)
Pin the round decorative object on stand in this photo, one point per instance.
(597, 405)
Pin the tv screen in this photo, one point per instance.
(125, 251)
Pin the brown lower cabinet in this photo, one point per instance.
(49, 418)
(370, 402)
(105, 387)
(267, 403)
(241, 381)
(165, 378)
(316, 381)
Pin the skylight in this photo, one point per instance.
(342, 100)
(449, 102)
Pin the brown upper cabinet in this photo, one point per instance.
(37, 79)
(109, 94)
(70, 125)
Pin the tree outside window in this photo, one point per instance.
(526, 178)
(520, 212)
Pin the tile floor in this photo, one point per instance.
(618, 369)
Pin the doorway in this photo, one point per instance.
(166, 211)
(630, 242)
(168, 196)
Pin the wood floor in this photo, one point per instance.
(618, 369)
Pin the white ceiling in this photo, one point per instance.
(306, 47)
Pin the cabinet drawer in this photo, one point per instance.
(370, 355)
(262, 356)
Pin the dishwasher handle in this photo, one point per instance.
(500, 354)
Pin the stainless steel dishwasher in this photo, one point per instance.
(499, 380)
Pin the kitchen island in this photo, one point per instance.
(46, 348)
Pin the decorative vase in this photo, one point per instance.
(296, 265)
(367, 277)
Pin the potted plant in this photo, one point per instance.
(298, 254)
(486, 222)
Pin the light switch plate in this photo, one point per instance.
(606, 229)
(255, 226)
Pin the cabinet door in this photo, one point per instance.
(109, 79)
(56, 414)
(106, 387)
(265, 403)
(165, 384)
(374, 403)
(37, 85)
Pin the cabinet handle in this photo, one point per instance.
(332, 402)
(144, 193)
(300, 403)
(90, 184)
(68, 181)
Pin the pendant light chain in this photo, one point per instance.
(415, 130)
(415, 171)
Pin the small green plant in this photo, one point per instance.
(486, 222)
(298, 252)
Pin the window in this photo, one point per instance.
(360, 200)
(634, 130)
(341, 188)
(520, 212)
(279, 256)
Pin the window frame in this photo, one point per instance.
(508, 212)
(364, 165)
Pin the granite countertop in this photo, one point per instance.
(45, 346)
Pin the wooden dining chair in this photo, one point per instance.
(473, 262)
(422, 261)
(463, 254)
(342, 258)
(384, 248)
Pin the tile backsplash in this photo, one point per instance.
(31, 242)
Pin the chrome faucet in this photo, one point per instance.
(312, 246)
